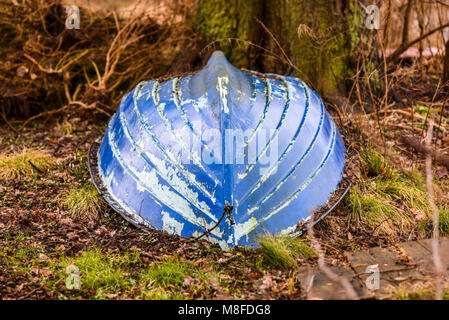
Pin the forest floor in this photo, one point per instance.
(52, 220)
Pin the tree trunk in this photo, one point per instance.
(446, 65)
(317, 36)
(227, 21)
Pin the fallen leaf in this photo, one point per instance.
(188, 281)
(72, 235)
(225, 277)
(38, 271)
(255, 275)
(43, 256)
(21, 71)
(267, 282)
(441, 172)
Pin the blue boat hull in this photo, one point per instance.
(177, 152)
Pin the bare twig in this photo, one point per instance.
(404, 46)
(77, 103)
(45, 113)
(349, 289)
(436, 215)
(49, 71)
(421, 148)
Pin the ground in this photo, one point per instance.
(54, 227)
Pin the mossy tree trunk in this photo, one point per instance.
(224, 20)
(318, 36)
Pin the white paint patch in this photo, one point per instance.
(138, 91)
(171, 225)
(173, 200)
(222, 88)
(107, 180)
(201, 102)
(148, 179)
(288, 230)
(243, 229)
(250, 211)
(171, 175)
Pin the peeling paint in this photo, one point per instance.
(243, 229)
(222, 88)
(171, 225)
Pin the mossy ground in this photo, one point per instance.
(100, 275)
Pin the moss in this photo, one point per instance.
(98, 272)
(282, 251)
(222, 19)
(168, 272)
(111, 275)
(163, 280)
(328, 47)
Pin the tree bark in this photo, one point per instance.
(231, 26)
(446, 65)
(317, 36)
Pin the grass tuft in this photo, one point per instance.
(25, 163)
(168, 272)
(282, 251)
(65, 128)
(374, 164)
(83, 202)
(427, 225)
(419, 292)
(378, 211)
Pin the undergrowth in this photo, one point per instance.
(387, 199)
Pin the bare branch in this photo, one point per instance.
(404, 46)
(349, 289)
(436, 215)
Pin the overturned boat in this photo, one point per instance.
(223, 154)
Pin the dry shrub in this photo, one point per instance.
(45, 66)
